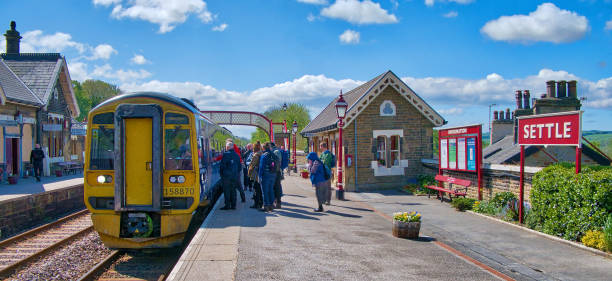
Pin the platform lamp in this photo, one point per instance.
(294, 130)
(341, 107)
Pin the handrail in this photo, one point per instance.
(597, 149)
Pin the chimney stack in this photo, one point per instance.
(526, 97)
(12, 39)
(495, 115)
(561, 90)
(508, 114)
(550, 89)
(519, 97)
(571, 89)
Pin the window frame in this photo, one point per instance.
(381, 154)
(398, 150)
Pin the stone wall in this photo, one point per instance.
(495, 179)
(25, 212)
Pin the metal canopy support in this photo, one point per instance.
(241, 118)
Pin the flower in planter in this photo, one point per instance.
(407, 216)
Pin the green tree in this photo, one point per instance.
(83, 100)
(295, 112)
(90, 93)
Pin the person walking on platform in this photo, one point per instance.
(253, 175)
(248, 157)
(229, 170)
(36, 158)
(319, 178)
(267, 176)
(240, 185)
(278, 188)
(329, 160)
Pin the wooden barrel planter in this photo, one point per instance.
(406, 229)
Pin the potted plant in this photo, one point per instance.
(12, 179)
(406, 224)
(304, 173)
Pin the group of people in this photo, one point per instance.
(258, 168)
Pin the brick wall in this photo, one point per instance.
(24, 212)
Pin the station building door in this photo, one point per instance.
(12, 155)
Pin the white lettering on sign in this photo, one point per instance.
(457, 131)
(534, 131)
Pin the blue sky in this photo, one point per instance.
(459, 55)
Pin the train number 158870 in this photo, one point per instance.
(179, 191)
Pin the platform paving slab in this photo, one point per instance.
(349, 241)
(29, 186)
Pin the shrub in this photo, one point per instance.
(568, 205)
(424, 180)
(608, 233)
(501, 199)
(462, 204)
(594, 239)
(486, 207)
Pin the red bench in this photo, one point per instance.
(451, 191)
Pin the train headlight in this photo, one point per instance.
(172, 179)
(105, 179)
(180, 179)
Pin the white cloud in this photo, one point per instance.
(36, 42)
(451, 111)
(166, 14)
(220, 28)
(451, 14)
(608, 25)
(106, 71)
(315, 2)
(311, 17)
(103, 51)
(547, 23)
(432, 2)
(350, 37)
(358, 12)
(78, 71)
(139, 59)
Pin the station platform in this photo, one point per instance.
(352, 240)
(29, 186)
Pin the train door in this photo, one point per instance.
(138, 147)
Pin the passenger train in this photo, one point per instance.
(149, 164)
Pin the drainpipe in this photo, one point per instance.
(355, 156)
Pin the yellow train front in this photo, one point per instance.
(149, 165)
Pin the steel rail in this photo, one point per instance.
(99, 268)
(33, 231)
(12, 267)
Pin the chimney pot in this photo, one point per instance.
(561, 89)
(550, 89)
(572, 90)
(526, 97)
(508, 114)
(12, 39)
(495, 115)
(519, 97)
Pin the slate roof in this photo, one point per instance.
(38, 71)
(506, 152)
(327, 119)
(14, 89)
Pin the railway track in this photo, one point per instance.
(18, 251)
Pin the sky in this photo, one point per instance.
(460, 56)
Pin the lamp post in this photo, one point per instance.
(284, 107)
(490, 105)
(294, 129)
(341, 106)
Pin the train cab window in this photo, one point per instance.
(175, 118)
(104, 118)
(102, 148)
(178, 150)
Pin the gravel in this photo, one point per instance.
(68, 263)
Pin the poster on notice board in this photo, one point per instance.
(452, 153)
(444, 154)
(461, 153)
(471, 154)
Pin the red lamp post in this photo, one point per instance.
(341, 107)
(294, 129)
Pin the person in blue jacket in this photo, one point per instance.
(319, 178)
(267, 176)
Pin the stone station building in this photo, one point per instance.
(387, 130)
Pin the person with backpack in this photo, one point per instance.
(248, 157)
(278, 188)
(230, 171)
(329, 160)
(319, 177)
(268, 168)
(253, 175)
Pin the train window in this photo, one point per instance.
(104, 118)
(178, 150)
(102, 149)
(175, 118)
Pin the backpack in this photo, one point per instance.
(285, 160)
(326, 172)
(269, 164)
(230, 168)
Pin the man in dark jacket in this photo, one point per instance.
(36, 158)
(230, 172)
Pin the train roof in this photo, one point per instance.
(161, 96)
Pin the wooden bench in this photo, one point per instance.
(451, 190)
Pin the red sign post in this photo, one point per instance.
(564, 128)
(461, 150)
